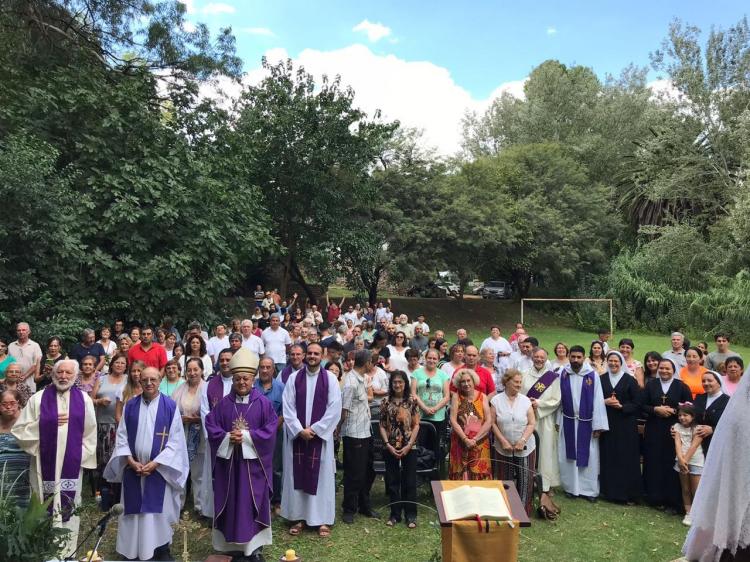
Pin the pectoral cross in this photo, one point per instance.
(313, 459)
(163, 435)
(663, 399)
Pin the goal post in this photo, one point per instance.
(610, 301)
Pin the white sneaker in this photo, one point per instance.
(687, 521)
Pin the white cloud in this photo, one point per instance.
(664, 89)
(218, 8)
(189, 6)
(419, 94)
(258, 31)
(374, 31)
(551, 30)
(188, 26)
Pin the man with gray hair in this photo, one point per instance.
(677, 353)
(89, 346)
(27, 353)
(57, 427)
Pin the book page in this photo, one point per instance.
(459, 503)
(491, 503)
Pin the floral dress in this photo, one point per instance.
(470, 464)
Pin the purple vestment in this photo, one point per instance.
(242, 487)
(306, 454)
(544, 382)
(577, 440)
(286, 372)
(71, 468)
(214, 391)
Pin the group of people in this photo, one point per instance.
(249, 422)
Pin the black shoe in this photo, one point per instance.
(348, 518)
(590, 499)
(256, 557)
(570, 496)
(370, 513)
(163, 553)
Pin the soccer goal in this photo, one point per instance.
(609, 301)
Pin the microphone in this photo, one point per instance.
(114, 511)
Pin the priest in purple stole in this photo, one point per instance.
(312, 409)
(242, 434)
(582, 417)
(57, 427)
(150, 459)
(217, 388)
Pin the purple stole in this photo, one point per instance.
(577, 443)
(151, 499)
(306, 454)
(71, 467)
(287, 371)
(214, 391)
(540, 386)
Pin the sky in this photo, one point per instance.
(428, 63)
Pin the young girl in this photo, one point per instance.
(689, 455)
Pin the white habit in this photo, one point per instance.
(297, 505)
(582, 481)
(206, 497)
(139, 534)
(26, 430)
(546, 418)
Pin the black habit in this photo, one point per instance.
(709, 416)
(660, 480)
(620, 448)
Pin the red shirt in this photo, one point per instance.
(333, 313)
(156, 356)
(486, 382)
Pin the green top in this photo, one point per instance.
(4, 365)
(430, 391)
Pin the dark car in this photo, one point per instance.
(496, 290)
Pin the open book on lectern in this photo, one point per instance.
(468, 502)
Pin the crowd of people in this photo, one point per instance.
(248, 423)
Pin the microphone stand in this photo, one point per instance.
(101, 525)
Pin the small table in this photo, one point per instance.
(458, 537)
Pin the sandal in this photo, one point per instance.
(411, 524)
(391, 522)
(324, 531)
(296, 529)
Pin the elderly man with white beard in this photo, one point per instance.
(57, 427)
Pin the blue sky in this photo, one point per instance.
(473, 48)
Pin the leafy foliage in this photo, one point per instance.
(28, 535)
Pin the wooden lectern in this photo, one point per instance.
(467, 540)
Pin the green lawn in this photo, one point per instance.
(584, 532)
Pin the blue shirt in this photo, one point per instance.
(274, 393)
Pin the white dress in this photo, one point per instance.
(582, 481)
(546, 418)
(138, 535)
(296, 505)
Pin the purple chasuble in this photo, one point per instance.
(306, 454)
(242, 487)
(214, 391)
(541, 385)
(71, 467)
(151, 498)
(577, 442)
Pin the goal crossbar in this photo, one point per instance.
(610, 301)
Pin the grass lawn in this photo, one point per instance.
(584, 532)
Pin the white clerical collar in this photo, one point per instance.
(226, 379)
(311, 372)
(665, 384)
(243, 399)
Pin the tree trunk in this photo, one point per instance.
(372, 287)
(287, 274)
(296, 274)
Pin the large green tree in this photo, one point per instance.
(312, 151)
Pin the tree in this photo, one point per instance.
(312, 151)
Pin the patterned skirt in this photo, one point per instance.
(14, 470)
(469, 464)
(105, 443)
(521, 471)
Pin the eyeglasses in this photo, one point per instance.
(8, 404)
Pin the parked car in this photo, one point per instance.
(496, 290)
(431, 290)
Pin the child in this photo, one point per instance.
(689, 455)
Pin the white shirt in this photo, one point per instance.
(379, 382)
(216, 344)
(254, 344)
(275, 342)
(512, 421)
